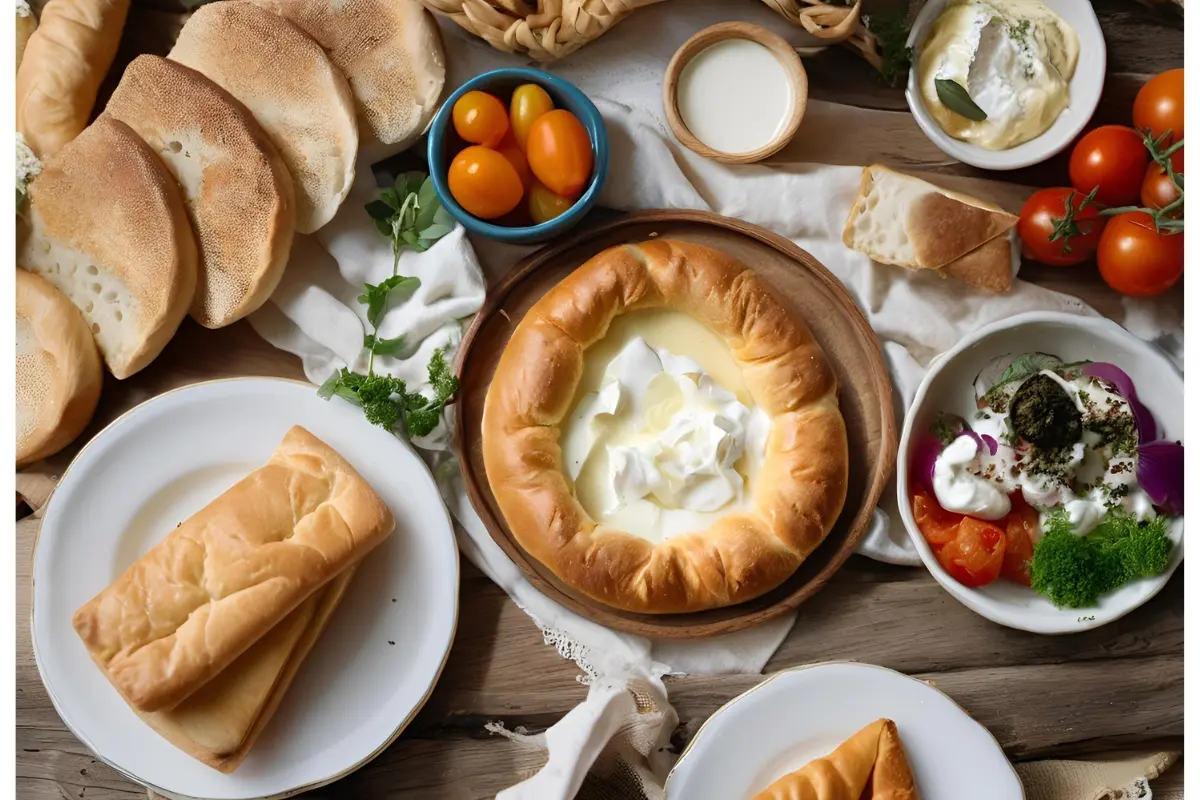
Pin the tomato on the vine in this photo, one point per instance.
(1158, 190)
(1159, 106)
(1112, 160)
(1136, 259)
(1060, 227)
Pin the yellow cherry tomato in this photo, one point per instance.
(509, 149)
(560, 152)
(528, 103)
(480, 118)
(545, 205)
(484, 182)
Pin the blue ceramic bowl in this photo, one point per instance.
(502, 82)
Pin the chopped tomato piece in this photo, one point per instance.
(975, 556)
(936, 524)
(1021, 525)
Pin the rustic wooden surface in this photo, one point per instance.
(1107, 691)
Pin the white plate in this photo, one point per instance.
(1085, 88)
(949, 386)
(165, 460)
(796, 716)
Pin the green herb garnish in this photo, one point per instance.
(1073, 571)
(955, 97)
(410, 215)
(895, 58)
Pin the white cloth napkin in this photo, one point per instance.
(627, 719)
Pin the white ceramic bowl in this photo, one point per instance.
(949, 387)
(1086, 86)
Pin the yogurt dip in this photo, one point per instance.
(1015, 59)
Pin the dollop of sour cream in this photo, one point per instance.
(674, 446)
(960, 490)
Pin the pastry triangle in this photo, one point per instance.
(870, 765)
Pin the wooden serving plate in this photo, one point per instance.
(807, 288)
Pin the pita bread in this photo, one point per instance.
(294, 91)
(237, 190)
(107, 227)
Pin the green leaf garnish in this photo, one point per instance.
(954, 96)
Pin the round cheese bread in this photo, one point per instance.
(107, 226)
(798, 491)
(236, 188)
(294, 91)
(59, 374)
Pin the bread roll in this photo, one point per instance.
(58, 370)
(288, 83)
(219, 582)
(64, 62)
(107, 226)
(236, 188)
(26, 25)
(389, 50)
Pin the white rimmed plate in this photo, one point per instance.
(1085, 88)
(166, 459)
(796, 716)
(949, 387)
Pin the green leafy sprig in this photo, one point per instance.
(1160, 153)
(409, 214)
(895, 57)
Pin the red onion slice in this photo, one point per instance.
(990, 442)
(1160, 474)
(924, 456)
(1146, 427)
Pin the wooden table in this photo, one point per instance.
(1107, 691)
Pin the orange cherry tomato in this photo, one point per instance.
(1020, 527)
(560, 152)
(975, 556)
(484, 182)
(480, 118)
(1137, 260)
(937, 525)
(528, 103)
(545, 205)
(509, 149)
(1159, 105)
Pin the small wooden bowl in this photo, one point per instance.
(782, 51)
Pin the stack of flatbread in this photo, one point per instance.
(184, 195)
(901, 220)
(203, 635)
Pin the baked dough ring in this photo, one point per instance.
(799, 491)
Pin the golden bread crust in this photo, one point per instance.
(219, 582)
(802, 484)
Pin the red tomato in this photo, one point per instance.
(1059, 228)
(484, 182)
(1159, 105)
(937, 525)
(1137, 260)
(1113, 158)
(1158, 190)
(1020, 527)
(975, 556)
(528, 103)
(480, 118)
(560, 152)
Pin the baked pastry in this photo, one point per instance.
(26, 25)
(294, 91)
(901, 220)
(219, 582)
(732, 464)
(870, 765)
(62, 67)
(107, 226)
(236, 188)
(59, 373)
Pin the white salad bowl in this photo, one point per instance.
(1085, 88)
(949, 387)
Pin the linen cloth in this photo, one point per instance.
(621, 731)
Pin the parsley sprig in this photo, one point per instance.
(409, 214)
(891, 31)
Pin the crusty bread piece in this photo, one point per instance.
(219, 582)
(801, 486)
(389, 50)
(288, 83)
(64, 62)
(107, 227)
(219, 723)
(236, 187)
(59, 374)
(902, 220)
(988, 267)
(870, 765)
(26, 25)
